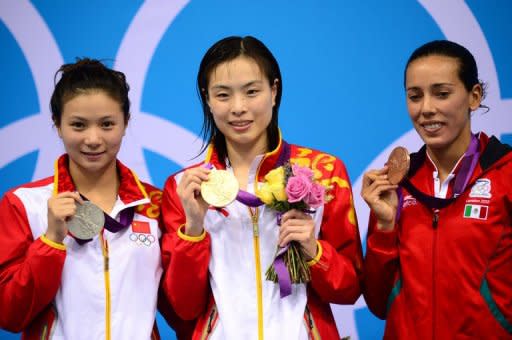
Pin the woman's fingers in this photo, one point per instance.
(296, 226)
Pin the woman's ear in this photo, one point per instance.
(274, 91)
(126, 122)
(475, 97)
(206, 97)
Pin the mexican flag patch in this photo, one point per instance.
(476, 211)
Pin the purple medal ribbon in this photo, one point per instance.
(111, 224)
(125, 219)
(283, 275)
(467, 167)
(252, 200)
(248, 199)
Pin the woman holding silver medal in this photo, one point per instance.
(223, 237)
(439, 255)
(68, 269)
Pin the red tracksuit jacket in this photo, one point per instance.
(335, 276)
(453, 280)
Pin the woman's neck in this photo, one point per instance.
(241, 158)
(101, 188)
(446, 158)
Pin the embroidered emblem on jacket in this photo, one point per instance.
(481, 188)
(409, 200)
(476, 211)
(141, 233)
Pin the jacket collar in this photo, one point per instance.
(130, 187)
(492, 152)
(270, 160)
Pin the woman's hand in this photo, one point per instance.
(298, 226)
(381, 197)
(61, 208)
(189, 192)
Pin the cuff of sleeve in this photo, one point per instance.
(383, 239)
(52, 244)
(318, 255)
(190, 238)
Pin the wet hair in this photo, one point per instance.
(226, 50)
(468, 71)
(87, 76)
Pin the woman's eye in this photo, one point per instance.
(107, 124)
(414, 97)
(253, 92)
(77, 125)
(221, 95)
(443, 94)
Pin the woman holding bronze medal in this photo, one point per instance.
(263, 234)
(69, 269)
(439, 254)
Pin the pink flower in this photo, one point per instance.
(315, 197)
(297, 188)
(298, 170)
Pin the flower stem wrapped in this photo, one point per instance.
(285, 188)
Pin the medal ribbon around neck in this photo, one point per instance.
(111, 224)
(467, 167)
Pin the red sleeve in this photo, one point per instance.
(336, 275)
(498, 277)
(30, 271)
(185, 259)
(380, 267)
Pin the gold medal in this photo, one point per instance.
(220, 189)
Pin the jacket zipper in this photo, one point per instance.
(104, 248)
(210, 325)
(256, 243)
(435, 218)
(435, 223)
(310, 324)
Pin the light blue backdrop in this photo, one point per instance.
(342, 64)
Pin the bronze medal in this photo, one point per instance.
(398, 164)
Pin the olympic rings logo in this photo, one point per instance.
(145, 239)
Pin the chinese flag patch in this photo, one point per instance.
(141, 227)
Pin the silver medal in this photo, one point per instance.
(88, 221)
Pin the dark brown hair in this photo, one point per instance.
(225, 50)
(86, 75)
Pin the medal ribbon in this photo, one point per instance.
(252, 200)
(467, 167)
(111, 224)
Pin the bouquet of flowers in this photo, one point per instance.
(292, 187)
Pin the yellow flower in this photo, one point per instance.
(275, 176)
(273, 189)
(279, 192)
(265, 194)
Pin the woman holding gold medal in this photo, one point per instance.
(439, 255)
(69, 269)
(262, 234)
